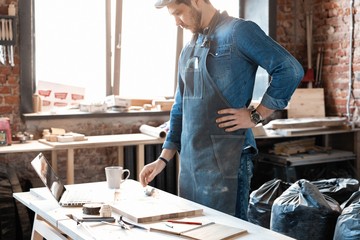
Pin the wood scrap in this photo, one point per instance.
(293, 147)
(288, 148)
(306, 103)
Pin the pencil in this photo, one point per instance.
(184, 222)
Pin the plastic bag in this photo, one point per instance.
(304, 213)
(339, 189)
(355, 197)
(348, 223)
(262, 199)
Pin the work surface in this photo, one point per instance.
(132, 194)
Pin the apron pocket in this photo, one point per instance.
(227, 150)
(193, 80)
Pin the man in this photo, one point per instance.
(210, 123)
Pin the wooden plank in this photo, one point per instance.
(214, 232)
(294, 147)
(307, 122)
(308, 159)
(29, 146)
(139, 208)
(106, 141)
(307, 102)
(296, 131)
(208, 231)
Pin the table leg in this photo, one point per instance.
(357, 152)
(121, 156)
(70, 166)
(140, 159)
(42, 229)
(54, 160)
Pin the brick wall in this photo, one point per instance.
(9, 82)
(332, 31)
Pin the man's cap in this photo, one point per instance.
(163, 3)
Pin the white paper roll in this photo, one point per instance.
(153, 131)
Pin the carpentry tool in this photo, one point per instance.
(319, 63)
(309, 75)
(2, 38)
(11, 47)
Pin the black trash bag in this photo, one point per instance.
(262, 199)
(304, 213)
(355, 197)
(348, 223)
(339, 189)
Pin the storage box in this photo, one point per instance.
(307, 102)
(116, 101)
(88, 107)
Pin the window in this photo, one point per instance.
(69, 46)
(148, 51)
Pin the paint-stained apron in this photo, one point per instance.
(210, 157)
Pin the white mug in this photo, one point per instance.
(115, 176)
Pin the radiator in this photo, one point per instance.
(166, 180)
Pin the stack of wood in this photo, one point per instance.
(296, 126)
(296, 146)
(60, 135)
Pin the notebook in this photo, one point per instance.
(74, 197)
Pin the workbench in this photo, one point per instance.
(138, 140)
(347, 140)
(54, 222)
(119, 140)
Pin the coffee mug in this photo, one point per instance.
(115, 176)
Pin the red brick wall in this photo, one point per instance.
(9, 82)
(332, 31)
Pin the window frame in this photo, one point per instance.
(27, 49)
(27, 53)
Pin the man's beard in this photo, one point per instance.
(196, 16)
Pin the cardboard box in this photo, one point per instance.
(307, 102)
(116, 101)
(88, 107)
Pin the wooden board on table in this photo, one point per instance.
(214, 232)
(208, 231)
(140, 208)
(308, 122)
(297, 131)
(150, 209)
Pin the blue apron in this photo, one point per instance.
(210, 157)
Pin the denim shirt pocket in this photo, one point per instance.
(221, 52)
(219, 65)
(194, 84)
(227, 150)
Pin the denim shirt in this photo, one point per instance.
(237, 48)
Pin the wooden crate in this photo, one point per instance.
(307, 102)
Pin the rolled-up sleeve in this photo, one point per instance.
(285, 71)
